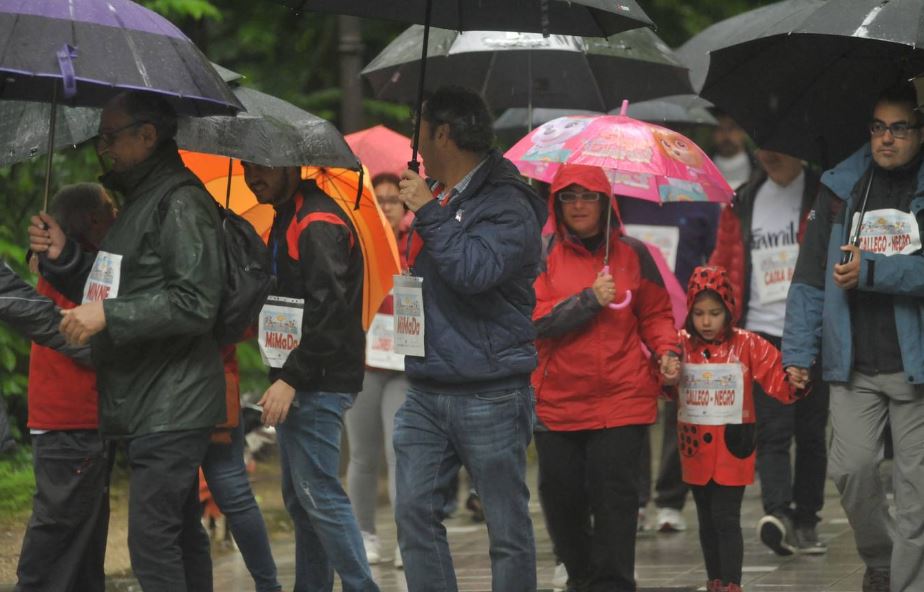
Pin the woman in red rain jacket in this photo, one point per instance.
(715, 422)
(596, 391)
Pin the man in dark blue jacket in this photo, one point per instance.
(476, 250)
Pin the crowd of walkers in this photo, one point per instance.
(546, 319)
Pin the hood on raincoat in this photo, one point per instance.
(715, 279)
(589, 177)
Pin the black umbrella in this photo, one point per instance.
(84, 52)
(805, 82)
(530, 70)
(590, 18)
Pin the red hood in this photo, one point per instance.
(589, 177)
(712, 278)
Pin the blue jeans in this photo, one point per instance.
(487, 433)
(327, 537)
(227, 479)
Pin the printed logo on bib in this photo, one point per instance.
(888, 232)
(104, 278)
(774, 270)
(409, 315)
(280, 329)
(711, 394)
(666, 238)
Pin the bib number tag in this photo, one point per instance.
(888, 232)
(774, 268)
(280, 329)
(380, 344)
(711, 394)
(666, 238)
(103, 281)
(409, 315)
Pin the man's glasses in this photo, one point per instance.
(899, 129)
(573, 196)
(107, 138)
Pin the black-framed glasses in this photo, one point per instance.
(899, 129)
(109, 137)
(573, 196)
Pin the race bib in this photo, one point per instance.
(888, 232)
(280, 329)
(103, 281)
(380, 344)
(773, 271)
(711, 394)
(409, 315)
(666, 238)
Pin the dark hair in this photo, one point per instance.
(74, 206)
(688, 325)
(151, 108)
(471, 126)
(902, 93)
(386, 178)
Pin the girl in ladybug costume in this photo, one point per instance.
(715, 422)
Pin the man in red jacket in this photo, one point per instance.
(65, 542)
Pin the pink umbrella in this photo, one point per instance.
(640, 159)
(381, 149)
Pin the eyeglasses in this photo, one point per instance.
(573, 196)
(899, 129)
(109, 137)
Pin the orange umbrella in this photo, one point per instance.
(380, 251)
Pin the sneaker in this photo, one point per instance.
(714, 586)
(876, 580)
(671, 520)
(776, 532)
(642, 516)
(731, 588)
(473, 504)
(807, 541)
(371, 544)
(560, 577)
(399, 562)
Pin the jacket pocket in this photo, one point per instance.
(741, 439)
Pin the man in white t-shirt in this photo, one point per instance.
(758, 243)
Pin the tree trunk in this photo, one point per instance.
(351, 55)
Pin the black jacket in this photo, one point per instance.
(317, 257)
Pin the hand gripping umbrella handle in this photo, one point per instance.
(626, 301)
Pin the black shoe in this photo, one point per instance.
(876, 580)
(473, 503)
(807, 541)
(776, 531)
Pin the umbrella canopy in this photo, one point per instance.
(380, 149)
(673, 110)
(380, 252)
(517, 118)
(597, 18)
(272, 132)
(641, 160)
(805, 83)
(527, 69)
(95, 49)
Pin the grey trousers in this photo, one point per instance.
(859, 411)
(370, 424)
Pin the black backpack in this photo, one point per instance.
(248, 273)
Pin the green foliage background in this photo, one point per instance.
(291, 56)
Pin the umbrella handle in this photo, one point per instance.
(627, 299)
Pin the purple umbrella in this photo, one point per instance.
(84, 52)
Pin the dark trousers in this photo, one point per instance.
(168, 546)
(795, 492)
(719, 510)
(670, 490)
(65, 542)
(586, 473)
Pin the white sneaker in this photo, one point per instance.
(560, 577)
(399, 562)
(371, 544)
(671, 520)
(642, 517)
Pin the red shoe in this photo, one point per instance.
(731, 588)
(714, 586)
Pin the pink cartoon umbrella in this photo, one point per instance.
(640, 159)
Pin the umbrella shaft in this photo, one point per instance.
(413, 164)
(51, 144)
(855, 240)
